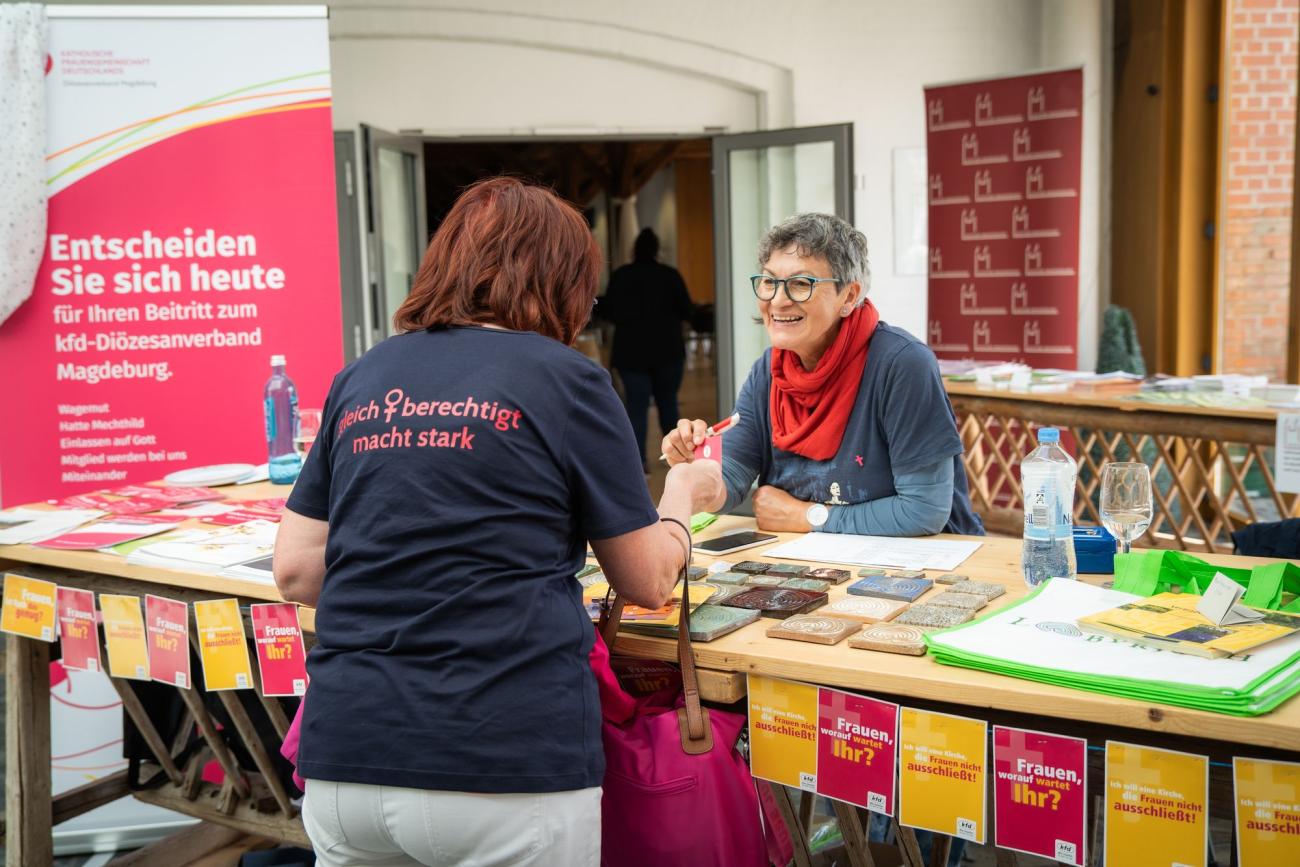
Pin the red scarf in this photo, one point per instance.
(810, 408)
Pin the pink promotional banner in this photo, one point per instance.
(167, 623)
(78, 632)
(1040, 793)
(857, 741)
(281, 655)
(191, 235)
(1004, 161)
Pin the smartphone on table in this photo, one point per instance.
(737, 541)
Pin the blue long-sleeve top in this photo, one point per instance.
(898, 470)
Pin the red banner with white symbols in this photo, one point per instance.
(1004, 162)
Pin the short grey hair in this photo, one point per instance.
(843, 247)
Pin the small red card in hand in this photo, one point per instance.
(710, 449)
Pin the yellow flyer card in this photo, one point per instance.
(223, 647)
(783, 732)
(124, 636)
(28, 607)
(1266, 798)
(1156, 802)
(942, 772)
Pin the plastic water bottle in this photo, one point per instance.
(1047, 477)
(280, 404)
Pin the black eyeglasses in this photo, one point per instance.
(797, 289)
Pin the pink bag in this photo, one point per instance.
(289, 749)
(676, 790)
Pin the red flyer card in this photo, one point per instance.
(77, 630)
(172, 493)
(109, 532)
(710, 449)
(856, 749)
(281, 655)
(167, 623)
(267, 504)
(239, 516)
(125, 506)
(1039, 793)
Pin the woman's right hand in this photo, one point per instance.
(679, 446)
(703, 480)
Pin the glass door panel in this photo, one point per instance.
(398, 222)
(759, 180)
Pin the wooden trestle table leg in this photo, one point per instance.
(855, 836)
(908, 846)
(798, 832)
(131, 704)
(208, 728)
(940, 846)
(29, 836)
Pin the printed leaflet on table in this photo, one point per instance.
(211, 552)
(24, 526)
(1170, 621)
(854, 550)
(110, 532)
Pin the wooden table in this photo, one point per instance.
(1211, 467)
(920, 677)
(248, 804)
(914, 681)
(923, 683)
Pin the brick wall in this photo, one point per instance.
(1259, 121)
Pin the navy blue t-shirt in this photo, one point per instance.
(462, 472)
(901, 422)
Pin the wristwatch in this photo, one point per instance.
(817, 515)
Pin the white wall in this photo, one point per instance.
(446, 87)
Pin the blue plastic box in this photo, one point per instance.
(1094, 550)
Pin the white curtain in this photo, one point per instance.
(23, 53)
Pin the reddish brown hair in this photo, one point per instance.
(507, 254)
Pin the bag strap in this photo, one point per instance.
(611, 616)
(696, 731)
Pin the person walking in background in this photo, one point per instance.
(647, 301)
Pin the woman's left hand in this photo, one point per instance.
(776, 510)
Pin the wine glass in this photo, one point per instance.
(1126, 501)
(308, 427)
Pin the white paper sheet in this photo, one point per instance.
(23, 526)
(213, 551)
(1042, 632)
(896, 553)
(1286, 453)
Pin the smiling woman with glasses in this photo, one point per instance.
(845, 425)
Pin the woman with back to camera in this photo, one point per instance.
(462, 467)
(845, 423)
